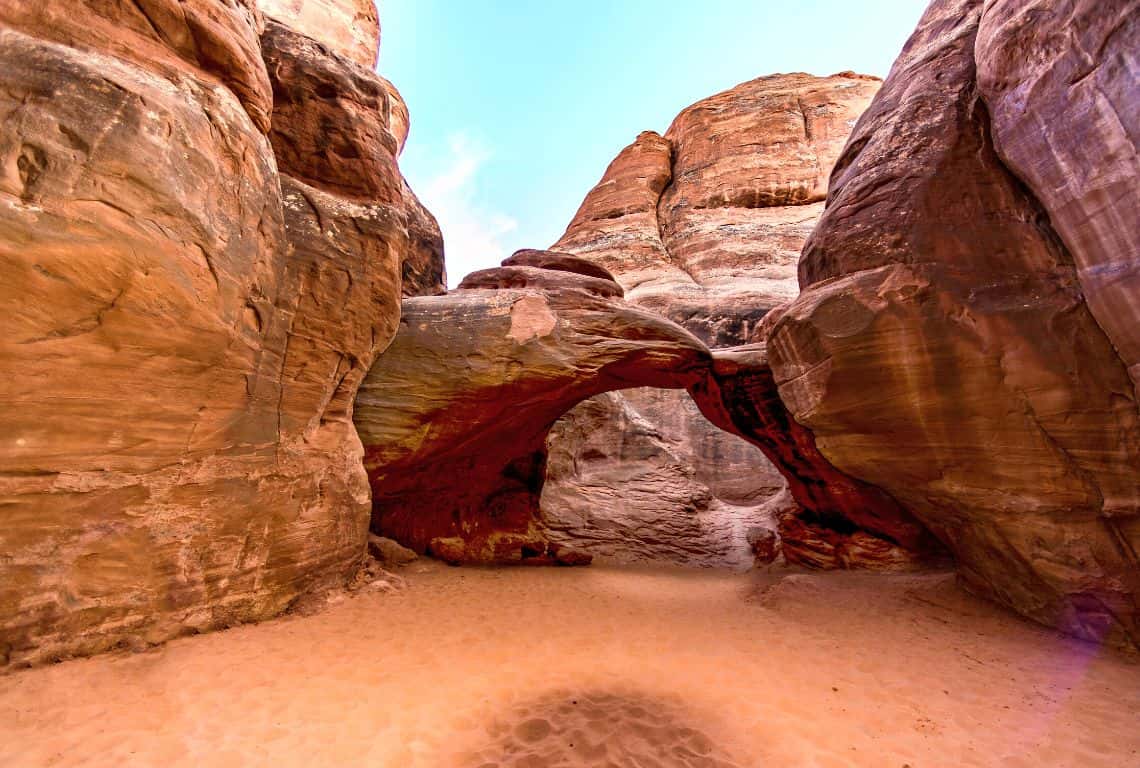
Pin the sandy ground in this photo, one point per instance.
(598, 667)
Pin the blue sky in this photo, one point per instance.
(518, 107)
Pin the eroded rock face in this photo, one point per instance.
(350, 28)
(624, 482)
(399, 120)
(423, 270)
(331, 119)
(1083, 170)
(211, 41)
(837, 521)
(703, 225)
(945, 349)
(334, 128)
(471, 386)
(182, 335)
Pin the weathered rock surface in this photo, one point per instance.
(945, 349)
(350, 28)
(1083, 170)
(182, 334)
(543, 279)
(423, 271)
(399, 120)
(837, 521)
(628, 488)
(331, 118)
(333, 128)
(471, 386)
(208, 41)
(559, 262)
(703, 225)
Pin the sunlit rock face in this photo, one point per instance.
(963, 339)
(186, 318)
(336, 127)
(703, 225)
(454, 416)
(350, 28)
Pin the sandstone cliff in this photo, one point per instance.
(350, 28)
(641, 476)
(705, 225)
(189, 306)
(966, 333)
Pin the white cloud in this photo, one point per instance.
(472, 234)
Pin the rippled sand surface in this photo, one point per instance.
(598, 667)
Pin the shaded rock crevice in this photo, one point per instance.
(660, 220)
(840, 521)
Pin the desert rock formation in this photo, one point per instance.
(705, 223)
(963, 340)
(1083, 170)
(835, 521)
(454, 416)
(705, 226)
(631, 482)
(350, 28)
(336, 127)
(186, 318)
(207, 244)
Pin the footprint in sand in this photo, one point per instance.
(597, 729)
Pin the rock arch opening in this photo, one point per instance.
(456, 419)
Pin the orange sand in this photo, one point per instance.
(598, 667)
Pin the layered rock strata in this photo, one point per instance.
(963, 338)
(703, 225)
(470, 388)
(184, 326)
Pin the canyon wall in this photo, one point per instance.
(207, 243)
(350, 28)
(641, 476)
(189, 306)
(704, 225)
(965, 338)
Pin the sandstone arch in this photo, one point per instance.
(454, 416)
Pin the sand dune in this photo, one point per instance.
(598, 667)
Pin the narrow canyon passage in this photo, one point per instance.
(476, 668)
(832, 379)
